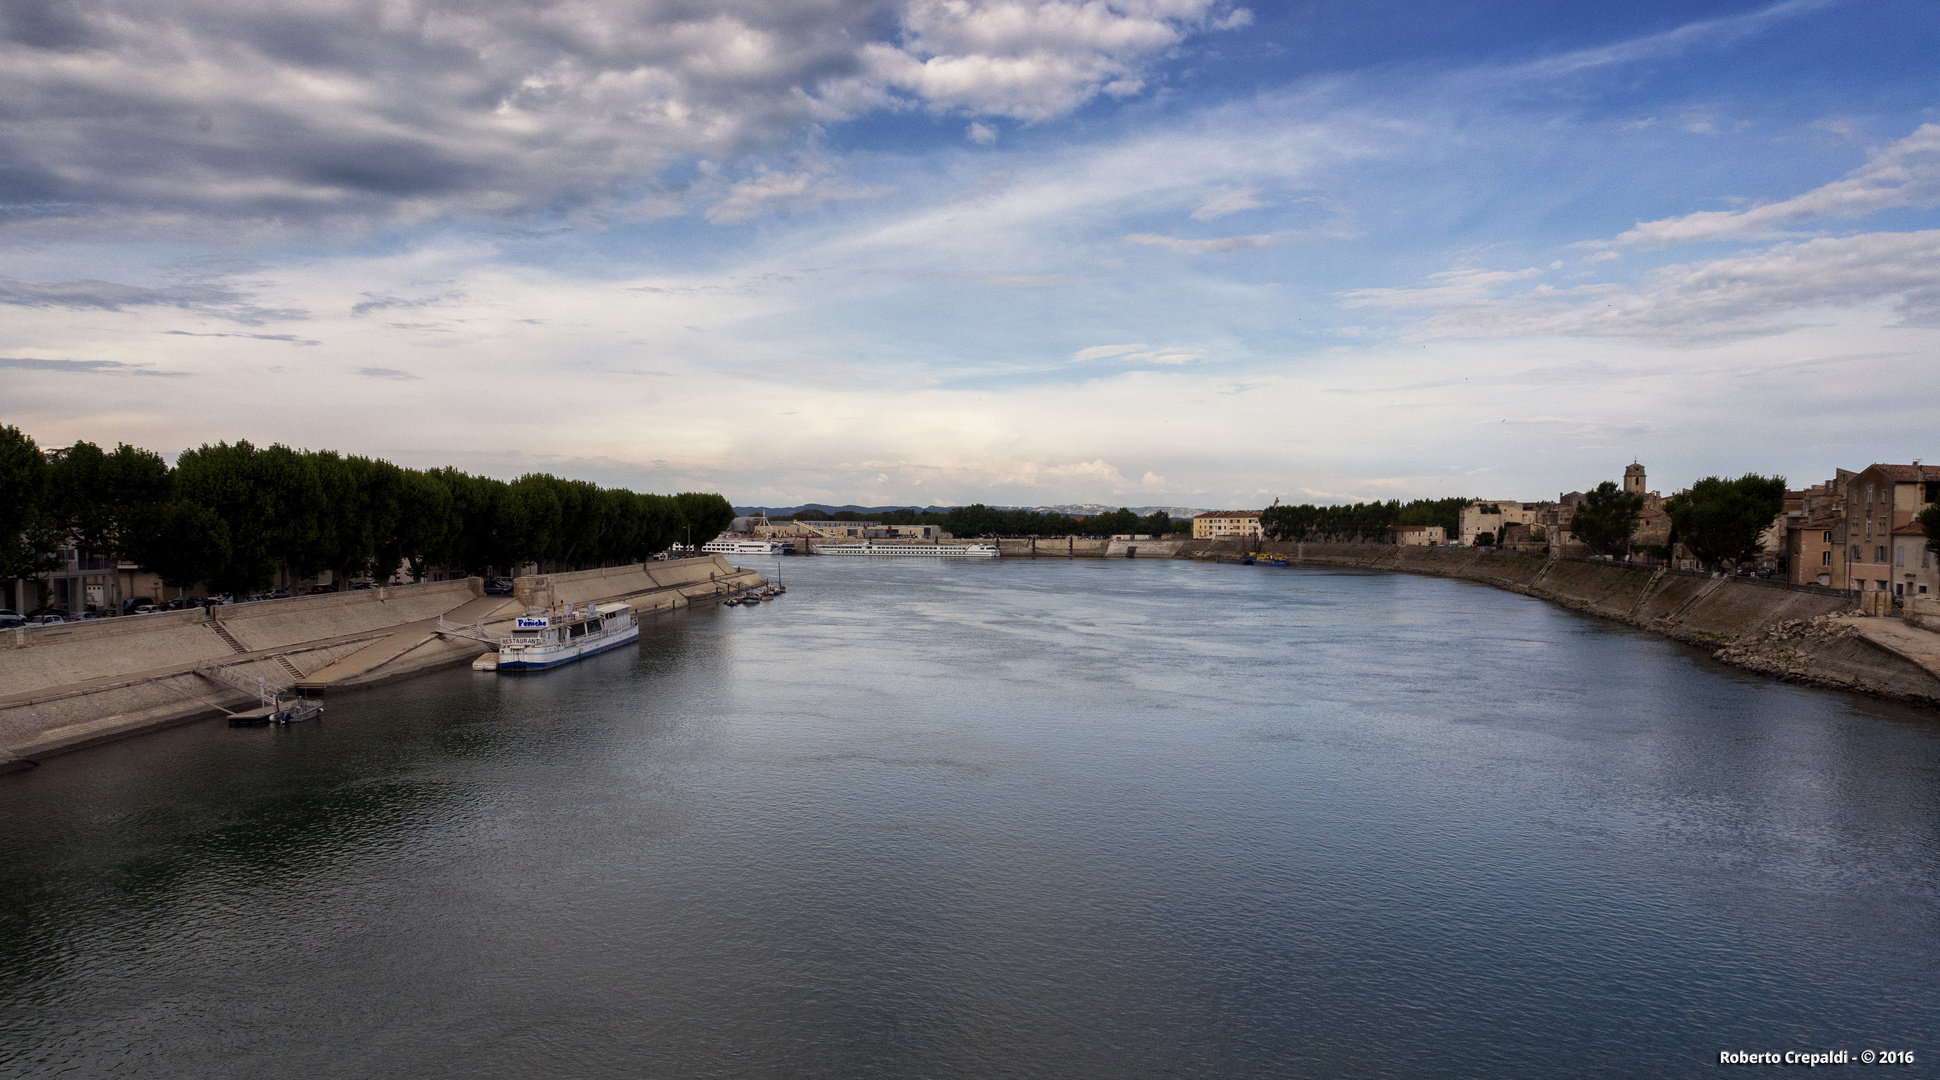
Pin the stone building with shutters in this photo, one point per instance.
(1882, 502)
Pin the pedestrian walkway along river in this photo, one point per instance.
(1049, 818)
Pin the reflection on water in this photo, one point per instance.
(1031, 818)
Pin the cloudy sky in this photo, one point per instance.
(1018, 251)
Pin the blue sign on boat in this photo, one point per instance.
(536, 622)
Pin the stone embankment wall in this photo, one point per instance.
(66, 687)
(1062, 547)
(1079, 547)
(1799, 633)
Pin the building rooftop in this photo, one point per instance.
(1911, 473)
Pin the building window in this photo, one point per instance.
(1855, 553)
(1879, 554)
(1899, 555)
(1828, 536)
(1825, 557)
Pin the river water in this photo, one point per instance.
(1063, 819)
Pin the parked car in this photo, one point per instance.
(318, 589)
(49, 619)
(498, 586)
(86, 616)
(9, 621)
(134, 602)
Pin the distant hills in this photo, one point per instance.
(1067, 509)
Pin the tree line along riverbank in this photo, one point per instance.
(236, 518)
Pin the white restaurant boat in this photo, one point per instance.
(725, 546)
(548, 639)
(919, 550)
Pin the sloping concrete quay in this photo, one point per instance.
(68, 687)
(1794, 632)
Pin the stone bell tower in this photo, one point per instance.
(1633, 479)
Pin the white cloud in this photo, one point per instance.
(1184, 246)
(1228, 202)
(1907, 173)
(747, 198)
(981, 133)
(1749, 295)
(1140, 354)
(1102, 352)
(1450, 286)
(1031, 59)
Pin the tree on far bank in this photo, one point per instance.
(1721, 520)
(1929, 522)
(1608, 515)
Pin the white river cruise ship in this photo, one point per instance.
(920, 550)
(725, 546)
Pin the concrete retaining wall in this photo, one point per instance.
(66, 687)
(1063, 547)
(40, 658)
(282, 624)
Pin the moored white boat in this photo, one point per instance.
(907, 550)
(550, 638)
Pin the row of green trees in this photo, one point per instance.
(1358, 521)
(239, 518)
(980, 520)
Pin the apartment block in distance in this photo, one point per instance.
(1226, 525)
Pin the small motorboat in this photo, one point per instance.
(298, 711)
